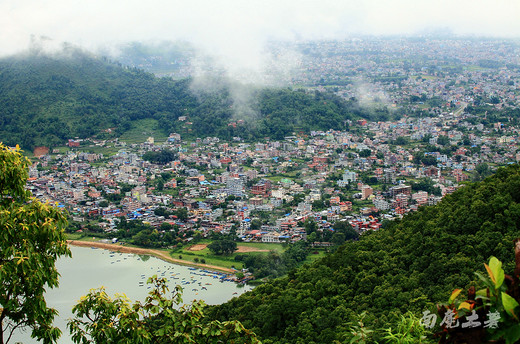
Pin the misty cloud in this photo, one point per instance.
(231, 36)
(239, 30)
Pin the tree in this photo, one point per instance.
(401, 140)
(165, 226)
(182, 214)
(429, 160)
(346, 229)
(365, 153)
(338, 238)
(482, 171)
(160, 185)
(443, 140)
(162, 157)
(31, 240)
(318, 205)
(223, 246)
(100, 319)
(161, 211)
(256, 224)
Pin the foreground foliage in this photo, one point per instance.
(492, 311)
(160, 319)
(409, 266)
(31, 240)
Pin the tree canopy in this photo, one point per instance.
(47, 100)
(160, 319)
(161, 157)
(223, 246)
(31, 239)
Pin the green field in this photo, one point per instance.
(143, 129)
(106, 150)
(62, 149)
(223, 260)
(226, 261)
(315, 255)
(279, 248)
(76, 236)
(426, 77)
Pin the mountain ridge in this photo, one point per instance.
(48, 99)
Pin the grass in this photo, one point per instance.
(227, 261)
(313, 257)
(474, 68)
(210, 258)
(426, 77)
(82, 237)
(106, 150)
(264, 246)
(62, 149)
(275, 179)
(75, 236)
(142, 130)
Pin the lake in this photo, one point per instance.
(126, 273)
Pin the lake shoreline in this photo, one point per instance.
(145, 251)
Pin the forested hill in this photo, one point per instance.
(408, 266)
(47, 99)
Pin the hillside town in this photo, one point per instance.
(444, 112)
(265, 191)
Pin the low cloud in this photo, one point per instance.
(233, 34)
(239, 30)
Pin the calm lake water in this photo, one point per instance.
(126, 273)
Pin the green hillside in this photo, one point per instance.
(47, 99)
(410, 265)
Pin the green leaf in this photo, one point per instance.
(482, 293)
(484, 279)
(356, 338)
(509, 304)
(454, 295)
(490, 273)
(500, 278)
(496, 268)
(465, 305)
(511, 334)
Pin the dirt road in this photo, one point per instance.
(156, 253)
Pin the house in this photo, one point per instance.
(73, 143)
(270, 237)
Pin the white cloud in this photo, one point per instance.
(236, 30)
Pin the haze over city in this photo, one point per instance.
(238, 30)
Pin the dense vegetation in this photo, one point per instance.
(47, 99)
(408, 266)
(223, 246)
(161, 157)
(273, 264)
(32, 238)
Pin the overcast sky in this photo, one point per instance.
(240, 27)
